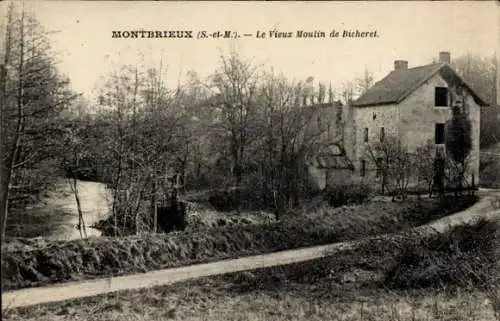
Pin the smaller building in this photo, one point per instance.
(328, 162)
(330, 165)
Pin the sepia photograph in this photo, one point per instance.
(281, 160)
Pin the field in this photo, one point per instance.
(409, 277)
(41, 263)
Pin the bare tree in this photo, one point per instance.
(146, 141)
(394, 165)
(347, 92)
(33, 95)
(364, 83)
(424, 165)
(235, 84)
(291, 131)
(73, 164)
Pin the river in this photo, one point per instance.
(95, 202)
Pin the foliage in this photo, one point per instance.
(458, 136)
(458, 145)
(347, 194)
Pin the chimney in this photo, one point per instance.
(400, 64)
(444, 56)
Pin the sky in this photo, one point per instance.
(413, 31)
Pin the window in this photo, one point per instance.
(366, 134)
(439, 134)
(382, 134)
(441, 97)
(363, 168)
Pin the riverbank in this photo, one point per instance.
(95, 257)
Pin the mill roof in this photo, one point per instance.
(399, 84)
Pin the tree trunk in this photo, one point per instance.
(4, 182)
(153, 202)
(81, 222)
(13, 153)
(116, 197)
(281, 203)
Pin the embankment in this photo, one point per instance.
(39, 264)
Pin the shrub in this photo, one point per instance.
(347, 194)
(239, 198)
(465, 255)
(490, 174)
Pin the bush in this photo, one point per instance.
(239, 198)
(490, 174)
(463, 256)
(347, 194)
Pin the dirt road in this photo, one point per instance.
(488, 206)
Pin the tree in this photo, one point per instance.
(321, 93)
(481, 74)
(235, 84)
(72, 165)
(347, 93)
(195, 129)
(292, 132)
(364, 83)
(147, 141)
(33, 95)
(394, 164)
(425, 165)
(458, 144)
(331, 95)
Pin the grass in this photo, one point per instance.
(39, 264)
(318, 289)
(194, 303)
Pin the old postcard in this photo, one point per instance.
(250, 160)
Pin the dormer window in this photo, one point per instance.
(441, 97)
